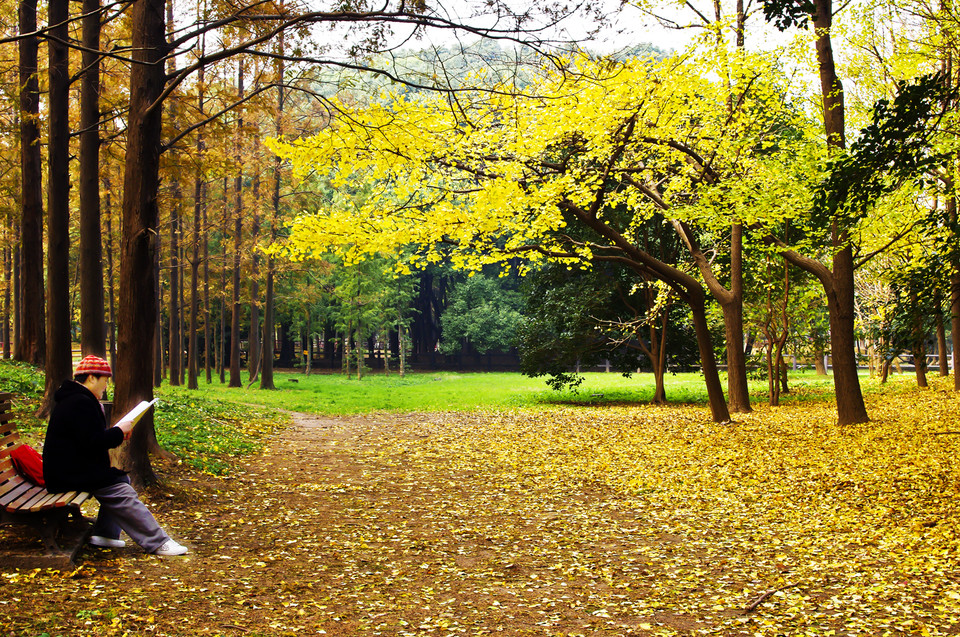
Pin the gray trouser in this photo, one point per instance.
(120, 508)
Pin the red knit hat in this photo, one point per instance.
(93, 365)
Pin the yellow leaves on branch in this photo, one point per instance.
(489, 174)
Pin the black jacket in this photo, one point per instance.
(76, 451)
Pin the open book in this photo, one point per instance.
(135, 414)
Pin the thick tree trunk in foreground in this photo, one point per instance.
(840, 303)
(838, 282)
(58, 364)
(138, 301)
(31, 344)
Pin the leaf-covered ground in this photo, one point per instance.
(565, 521)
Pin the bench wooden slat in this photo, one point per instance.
(26, 497)
(8, 442)
(44, 502)
(7, 472)
(22, 502)
(15, 493)
(67, 499)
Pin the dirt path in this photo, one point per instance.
(352, 527)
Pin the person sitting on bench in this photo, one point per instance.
(76, 458)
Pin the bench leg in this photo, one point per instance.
(64, 526)
(67, 527)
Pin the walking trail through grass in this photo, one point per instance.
(618, 521)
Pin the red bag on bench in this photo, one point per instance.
(28, 463)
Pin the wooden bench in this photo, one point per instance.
(22, 502)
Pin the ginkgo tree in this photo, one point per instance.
(594, 146)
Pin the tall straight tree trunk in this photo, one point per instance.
(253, 360)
(208, 316)
(198, 206)
(919, 348)
(7, 271)
(138, 298)
(199, 214)
(58, 365)
(225, 227)
(266, 372)
(92, 327)
(955, 297)
(31, 341)
(837, 282)
(237, 245)
(943, 364)
(159, 368)
(17, 294)
(174, 305)
(192, 354)
(111, 301)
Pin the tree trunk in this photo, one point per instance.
(919, 349)
(711, 377)
(784, 384)
(159, 368)
(192, 344)
(840, 303)
(7, 271)
(253, 360)
(193, 359)
(225, 231)
(943, 363)
(17, 294)
(92, 327)
(819, 363)
(31, 344)
(174, 305)
(738, 392)
(955, 298)
(58, 364)
(920, 363)
(111, 307)
(266, 373)
(840, 298)
(208, 316)
(237, 245)
(772, 385)
(731, 301)
(659, 360)
(138, 301)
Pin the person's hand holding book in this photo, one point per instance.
(126, 426)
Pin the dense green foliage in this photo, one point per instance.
(482, 312)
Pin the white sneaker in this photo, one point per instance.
(106, 542)
(171, 548)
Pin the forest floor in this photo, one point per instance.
(456, 524)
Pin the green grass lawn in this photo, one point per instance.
(449, 391)
(210, 427)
